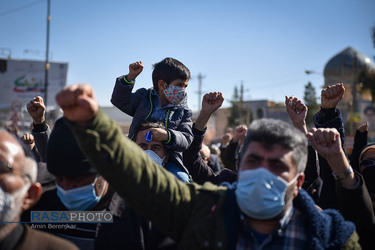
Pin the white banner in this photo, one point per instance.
(21, 80)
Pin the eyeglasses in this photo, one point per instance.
(367, 163)
(7, 168)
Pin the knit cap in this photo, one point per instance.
(64, 157)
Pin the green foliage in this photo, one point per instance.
(310, 95)
(366, 79)
(310, 101)
(236, 96)
(235, 110)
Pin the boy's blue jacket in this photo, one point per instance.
(140, 106)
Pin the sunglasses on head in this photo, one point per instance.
(367, 163)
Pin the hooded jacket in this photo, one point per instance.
(141, 104)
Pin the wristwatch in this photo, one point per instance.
(342, 175)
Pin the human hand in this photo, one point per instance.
(226, 139)
(297, 111)
(239, 133)
(332, 95)
(78, 103)
(211, 102)
(134, 70)
(28, 139)
(363, 127)
(326, 141)
(158, 134)
(37, 109)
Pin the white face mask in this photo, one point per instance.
(261, 194)
(11, 204)
(155, 157)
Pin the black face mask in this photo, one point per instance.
(369, 177)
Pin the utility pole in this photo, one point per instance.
(200, 78)
(241, 103)
(47, 65)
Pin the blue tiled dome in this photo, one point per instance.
(347, 64)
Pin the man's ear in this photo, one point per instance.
(162, 85)
(299, 183)
(166, 158)
(32, 196)
(300, 180)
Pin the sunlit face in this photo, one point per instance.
(276, 159)
(183, 84)
(12, 177)
(163, 86)
(155, 146)
(12, 164)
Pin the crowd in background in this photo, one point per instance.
(269, 185)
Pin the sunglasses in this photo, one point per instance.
(367, 163)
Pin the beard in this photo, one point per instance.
(11, 207)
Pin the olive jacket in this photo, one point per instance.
(195, 216)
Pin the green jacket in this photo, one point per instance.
(195, 216)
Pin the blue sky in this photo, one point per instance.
(266, 44)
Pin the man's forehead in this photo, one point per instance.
(272, 154)
(269, 152)
(141, 139)
(270, 148)
(11, 151)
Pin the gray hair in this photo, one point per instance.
(30, 169)
(271, 132)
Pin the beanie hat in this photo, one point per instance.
(64, 157)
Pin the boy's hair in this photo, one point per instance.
(168, 70)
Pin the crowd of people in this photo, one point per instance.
(269, 185)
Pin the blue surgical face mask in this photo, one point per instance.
(81, 198)
(154, 156)
(261, 194)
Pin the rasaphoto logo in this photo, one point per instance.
(71, 217)
(23, 85)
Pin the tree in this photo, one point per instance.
(311, 103)
(235, 110)
(366, 80)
